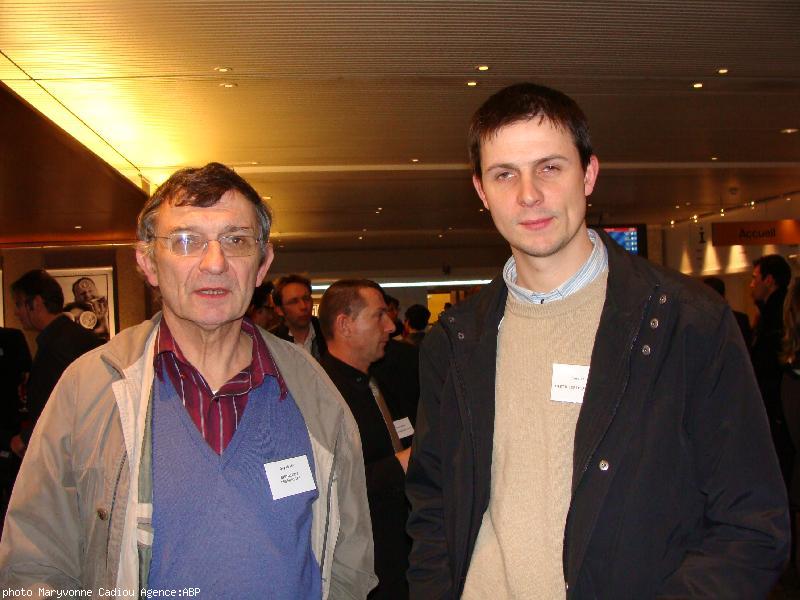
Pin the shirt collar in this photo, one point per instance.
(594, 265)
(262, 363)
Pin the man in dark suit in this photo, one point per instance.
(15, 363)
(356, 326)
(38, 302)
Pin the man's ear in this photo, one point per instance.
(478, 184)
(269, 256)
(342, 326)
(147, 266)
(590, 175)
(36, 304)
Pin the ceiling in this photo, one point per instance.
(330, 102)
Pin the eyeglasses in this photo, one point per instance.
(194, 244)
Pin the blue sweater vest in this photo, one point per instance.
(216, 525)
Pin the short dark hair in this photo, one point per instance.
(202, 187)
(777, 266)
(282, 282)
(391, 300)
(716, 284)
(524, 102)
(40, 283)
(418, 316)
(342, 297)
(260, 294)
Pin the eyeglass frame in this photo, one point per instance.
(259, 246)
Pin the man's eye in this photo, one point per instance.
(550, 168)
(503, 175)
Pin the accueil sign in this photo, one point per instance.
(755, 233)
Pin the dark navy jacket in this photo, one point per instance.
(688, 501)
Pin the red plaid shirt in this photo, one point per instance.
(216, 415)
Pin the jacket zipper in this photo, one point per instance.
(616, 407)
(328, 510)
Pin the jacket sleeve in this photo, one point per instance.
(41, 542)
(429, 573)
(746, 539)
(352, 571)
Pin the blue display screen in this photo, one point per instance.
(627, 237)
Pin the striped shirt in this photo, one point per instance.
(216, 415)
(594, 265)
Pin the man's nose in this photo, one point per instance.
(529, 191)
(214, 260)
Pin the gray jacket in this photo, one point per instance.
(74, 520)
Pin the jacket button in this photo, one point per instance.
(451, 319)
(102, 514)
(646, 350)
(460, 335)
(603, 465)
(653, 323)
(662, 299)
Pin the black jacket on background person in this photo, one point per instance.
(676, 491)
(385, 477)
(15, 360)
(57, 345)
(318, 346)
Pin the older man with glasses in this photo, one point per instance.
(194, 452)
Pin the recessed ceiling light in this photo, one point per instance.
(688, 203)
(414, 160)
(672, 222)
(789, 130)
(589, 205)
(364, 229)
(78, 226)
(440, 235)
(481, 209)
(380, 208)
(472, 83)
(482, 67)
(722, 71)
(697, 85)
(223, 69)
(267, 197)
(721, 212)
(714, 158)
(377, 212)
(677, 206)
(228, 85)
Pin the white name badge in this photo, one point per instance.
(569, 383)
(403, 428)
(289, 477)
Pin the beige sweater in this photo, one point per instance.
(518, 553)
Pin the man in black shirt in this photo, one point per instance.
(38, 302)
(356, 326)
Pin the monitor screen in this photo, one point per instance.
(631, 237)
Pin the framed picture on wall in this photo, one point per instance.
(89, 297)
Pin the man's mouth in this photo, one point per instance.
(212, 291)
(534, 224)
